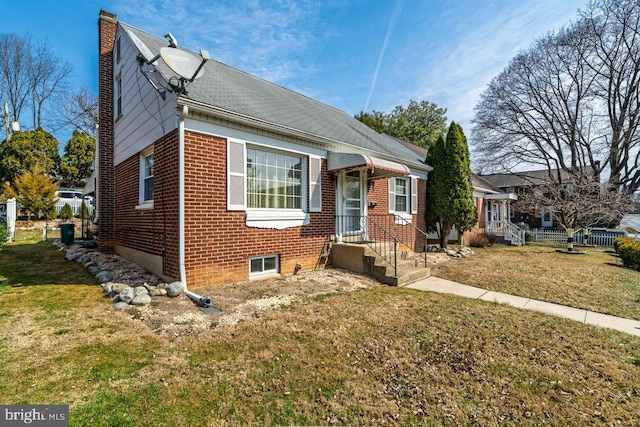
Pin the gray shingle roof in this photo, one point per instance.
(232, 90)
(421, 152)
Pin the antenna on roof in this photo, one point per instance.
(146, 57)
(172, 40)
(185, 64)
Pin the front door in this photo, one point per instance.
(547, 218)
(351, 204)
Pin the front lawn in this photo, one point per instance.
(592, 281)
(375, 356)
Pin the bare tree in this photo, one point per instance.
(570, 101)
(48, 75)
(580, 202)
(80, 110)
(613, 28)
(14, 81)
(31, 75)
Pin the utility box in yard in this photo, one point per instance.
(67, 233)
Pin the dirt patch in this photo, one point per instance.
(237, 302)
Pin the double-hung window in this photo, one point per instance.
(118, 96)
(274, 180)
(146, 178)
(402, 201)
(403, 197)
(276, 188)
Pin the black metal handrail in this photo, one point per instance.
(363, 229)
(407, 233)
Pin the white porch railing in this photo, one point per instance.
(508, 230)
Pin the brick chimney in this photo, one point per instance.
(107, 26)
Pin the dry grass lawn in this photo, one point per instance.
(592, 281)
(374, 356)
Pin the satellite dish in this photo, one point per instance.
(149, 57)
(185, 64)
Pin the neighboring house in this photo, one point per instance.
(493, 204)
(233, 177)
(520, 182)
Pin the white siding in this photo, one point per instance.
(146, 116)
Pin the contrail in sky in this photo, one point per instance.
(392, 24)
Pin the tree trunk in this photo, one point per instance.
(445, 230)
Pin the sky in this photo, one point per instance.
(355, 55)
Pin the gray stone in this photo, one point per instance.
(175, 288)
(104, 276)
(116, 299)
(94, 270)
(158, 292)
(139, 290)
(71, 255)
(141, 299)
(163, 285)
(116, 288)
(90, 263)
(84, 259)
(126, 294)
(120, 305)
(451, 252)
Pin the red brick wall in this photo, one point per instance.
(106, 203)
(218, 244)
(379, 191)
(150, 230)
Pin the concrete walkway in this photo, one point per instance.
(436, 284)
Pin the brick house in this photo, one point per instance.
(229, 177)
(493, 203)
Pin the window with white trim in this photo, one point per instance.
(260, 265)
(117, 49)
(118, 96)
(146, 178)
(272, 185)
(274, 180)
(403, 196)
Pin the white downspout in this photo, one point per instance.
(202, 301)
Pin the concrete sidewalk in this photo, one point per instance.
(436, 284)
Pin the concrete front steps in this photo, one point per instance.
(360, 258)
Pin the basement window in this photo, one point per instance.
(261, 265)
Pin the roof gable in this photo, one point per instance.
(237, 93)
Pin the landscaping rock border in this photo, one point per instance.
(125, 282)
(463, 252)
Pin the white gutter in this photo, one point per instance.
(263, 124)
(202, 301)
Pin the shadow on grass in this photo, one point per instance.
(28, 264)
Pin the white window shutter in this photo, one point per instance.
(414, 195)
(392, 195)
(236, 179)
(315, 184)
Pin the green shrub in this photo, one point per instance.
(66, 212)
(84, 211)
(629, 251)
(4, 233)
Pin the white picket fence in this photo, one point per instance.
(75, 206)
(597, 238)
